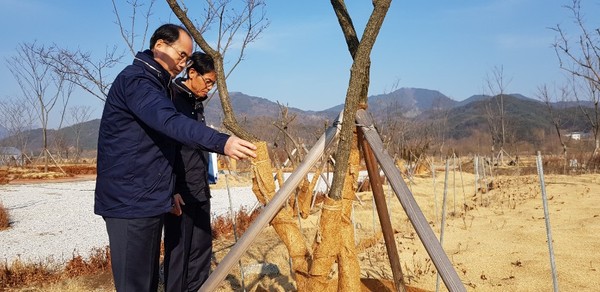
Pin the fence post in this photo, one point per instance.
(540, 169)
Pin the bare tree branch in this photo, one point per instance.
(79, 115)
(229, 25)
(359, 80)
(35, 76)
(582, 62)
(129, 35)
(17, 116)
(80, 68)
(549, 99)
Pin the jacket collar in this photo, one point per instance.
(146, 60)
(178, 83)
(180, 86)
(190, 97)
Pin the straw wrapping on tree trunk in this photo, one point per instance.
(263, 183)
(306, 194)
(286, 227)
(327, 242)
(349, 268)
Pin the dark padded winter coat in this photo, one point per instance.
(137, 142)
(191, 164)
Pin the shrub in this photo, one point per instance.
(4, 218)
(222, 226)
(37, 274)
(20, 274)
(98, 262)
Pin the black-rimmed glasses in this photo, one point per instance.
(208, 82)
(183, 56)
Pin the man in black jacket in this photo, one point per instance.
(188, 237)
(139, 132)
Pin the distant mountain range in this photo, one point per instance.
(257, 115)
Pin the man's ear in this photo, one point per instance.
(159, 43)
(192, 73)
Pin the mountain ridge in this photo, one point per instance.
(258, 114)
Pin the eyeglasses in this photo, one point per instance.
(208, 82)
(183, 56)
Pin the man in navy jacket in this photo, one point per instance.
(137, 145)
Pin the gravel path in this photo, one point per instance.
(55, 220)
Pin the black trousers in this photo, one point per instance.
(188, 248)
(135, 251)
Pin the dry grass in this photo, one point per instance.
(37, 173)
(99, 261)
(3, 176)
(93, 273)
(19, 274)
(222, 226)
(4, 218)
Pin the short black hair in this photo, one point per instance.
(168, 32)
(201, 62)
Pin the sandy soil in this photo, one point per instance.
(496, 240)
(498, 244)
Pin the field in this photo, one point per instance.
(496, 240)
(498, 244)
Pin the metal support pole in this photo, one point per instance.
(476, 162)
(271, 209)
(408, 202)
(382, 211)
(234, 225)
(540, 169)
(443, 224)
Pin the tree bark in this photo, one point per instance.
(359, 81)
(229, 120)
(337, 237)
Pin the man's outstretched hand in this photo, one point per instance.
(237, 148)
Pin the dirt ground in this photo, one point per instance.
(497, 240)
(31, 174)
(498, 244)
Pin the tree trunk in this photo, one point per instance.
(45, 147)
(359, 81)
(340, 245)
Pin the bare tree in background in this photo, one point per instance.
(394, 128)
(580, 57)
(134, 37)
(77, 116)
(393, 124)
(84, 70)
(60, 138)
(550, 98)
(288, 143)
(40, 84)
(439, 123)
(495, 110)
(586, 91)
(493, 125)
(237, 25)
(16, 116)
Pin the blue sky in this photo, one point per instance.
(302, 60)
